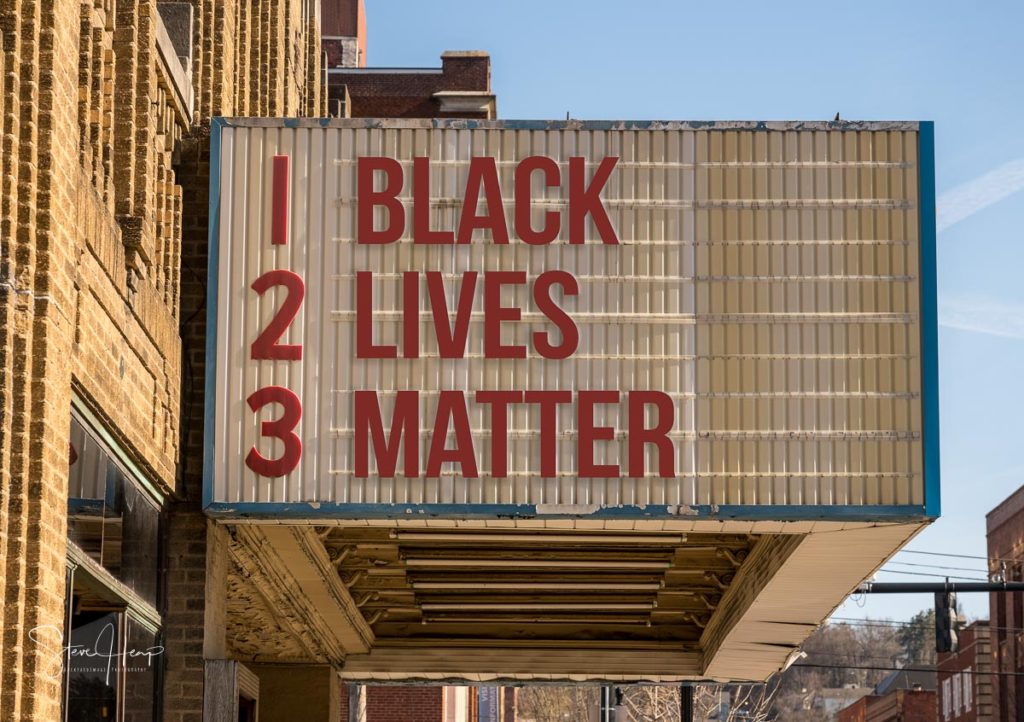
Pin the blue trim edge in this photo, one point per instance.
(334, 510)
(213, 249)
(929, 318)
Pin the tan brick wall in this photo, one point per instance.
(36, 293)
(91, 219)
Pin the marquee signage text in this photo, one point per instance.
(395, 446)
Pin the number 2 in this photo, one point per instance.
(267, 346)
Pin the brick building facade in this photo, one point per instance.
(1005, 534)
(460, 88)
(898, 705)
(103, 113)
(964, 681)
(409, 703)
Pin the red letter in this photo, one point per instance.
(542, 297)
(584, 200)
(405, 428)
(279, 211)
(588, 434)
(451, 343)
(552, 178)
(495, 313)
(364, 320)
(548, 401)
(367, 199)
(283, 429)
(451, 405)
(266, 345)
(421, 232)
(499, 401)
(411, 314)
(483, 171)
(639, 435)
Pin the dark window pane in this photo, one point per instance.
(110, 517)
(93, 663)
(87, 483)
(131, 538)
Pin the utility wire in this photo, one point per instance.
(853, 621)
(939, 566)
(890, 658)
(905, 669)
(940, 576)
(1014, 560)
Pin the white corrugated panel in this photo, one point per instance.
(766, 280)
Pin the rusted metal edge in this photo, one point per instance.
(471, 124)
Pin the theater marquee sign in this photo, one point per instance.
(623, 320)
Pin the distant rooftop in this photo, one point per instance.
(911, 678)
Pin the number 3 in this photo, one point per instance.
(282, 428)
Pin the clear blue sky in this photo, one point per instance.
(959, 64)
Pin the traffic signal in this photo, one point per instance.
(945, 622)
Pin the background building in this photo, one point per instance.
(436, 703)
(1005, 534)
(460, 88)
(903, 696)
(964, 682)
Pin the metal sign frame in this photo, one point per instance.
(928, 324)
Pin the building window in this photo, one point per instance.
(113, 653)
(93, 680)
(968, 689)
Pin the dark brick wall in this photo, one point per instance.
(404, 704)
(342, 17)
(856, 712)
(1006, 611)
(187, 525)
(397, 703)
(974, 654)
(918, 706)
(410, 95)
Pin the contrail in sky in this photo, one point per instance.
(979, 315)
(968, 198)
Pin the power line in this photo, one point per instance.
(940, 576)
(867, 668)
(939, 566)
(1015, 560)
(853, 621)
(943, 554)
(890, 658)
(880, 622)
